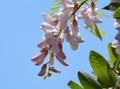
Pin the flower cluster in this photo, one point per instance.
(63, 26)
(116, 42)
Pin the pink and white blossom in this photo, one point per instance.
(62, 17)
(68, 3)
(63, 25)
(48, 19)
(117, 23)
(43, 70)
(39, 58)
(89, 15)
(116, 45)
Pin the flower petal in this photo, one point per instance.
(52, 40)
(62, 17)
(62, 61)
(117, 24)
(68, 3)
(48, 19)
(117, 37)
(48, 28)
(42, 44)
(43, 70)
(67, 10)
(40, 57)
(74, 46)
(60, 55)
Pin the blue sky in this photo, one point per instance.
(19, 35)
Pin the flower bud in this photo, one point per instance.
(43, 70)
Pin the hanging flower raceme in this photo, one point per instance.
(63, 25)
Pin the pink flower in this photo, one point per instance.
(61, 57)
(40, 57)
(50, 23)
(62, 24)
(48, 27)
(60, 54)
(62, 17)
(89, 15)
(57, 50)
(48, 19)
(117, 24)
(68, 3)
(55, 46)
(43, 70)
(67, 10)
(73, 35)
(42, 44)
(115, 43)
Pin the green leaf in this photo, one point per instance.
(106, 7)
(55, 7)
(114, 4)
(102, 32)
(115, 58)
(102, 69)
(117, 62)
(102, 15)
(117, 13)
(112, 53)
(96, 32)
(58, 1)
(74, 85)
(52, 13)
(87, 81)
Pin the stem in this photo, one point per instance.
(115, 71)
(60, 30)
(77, 8)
